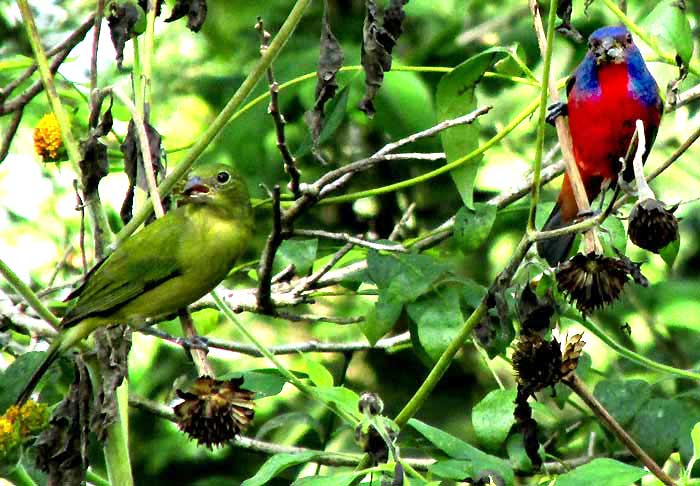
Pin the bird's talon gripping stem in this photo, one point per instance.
(586, 214)
(555, 110)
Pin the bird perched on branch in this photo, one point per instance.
(166, 266)
(609, 91)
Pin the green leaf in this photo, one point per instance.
(472, 227)
(335, 114)
(472, 293)
(13, 379)
(343, 397)
(435, 320)
(602, 471)
(318, 373)
(516, 452)
(613, 236)
(516, 62)
(401, 279)
(543, 212)
(458, 449)
(265, 382)
(455, 97)
(492, 417)
(300, 253)
(623, 398)
(658, 427)
(695, 437)
(335, 480)
(277, 464)
(668, 23)
(380, 319)
(670, 251)
(452, 469)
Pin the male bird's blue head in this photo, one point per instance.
(612, 45)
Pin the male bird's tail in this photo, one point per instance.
(555, 250)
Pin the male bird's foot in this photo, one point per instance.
(554, 111)
(627, 187)
(586, 214)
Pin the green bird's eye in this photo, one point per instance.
(223, 177)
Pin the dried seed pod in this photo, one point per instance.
(214, 411)
(537, 362)
(652, 225)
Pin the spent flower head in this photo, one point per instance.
(214, 411)
(652, 225)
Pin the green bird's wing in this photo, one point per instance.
(141, 263)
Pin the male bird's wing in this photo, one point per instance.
(143, 262)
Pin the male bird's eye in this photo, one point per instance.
(222, 177)
(629, 38)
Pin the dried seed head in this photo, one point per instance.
(573, 349)
(214, 411)
(534, 313)
(652, 226)
(370, 404)
(48, 143)
(536, 362)
(593, 281)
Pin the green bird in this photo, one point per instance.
(164, 267)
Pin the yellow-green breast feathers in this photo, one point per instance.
(168, 264)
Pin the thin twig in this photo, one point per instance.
(396, 232)
(10, 133)
(274, 240)
(604, 416)
(79, 206)
(99, 10)
(197, 353)
(60, 52)
(350, 239)
(312, 346)
(310, 282)
(591, 241)
(290, 166)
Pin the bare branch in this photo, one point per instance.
(350, 239)
(10, 133)
(274, 240)
(290, 166)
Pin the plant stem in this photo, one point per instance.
(20, 477)
(417, 400)
(291, 378)
(519, 118)
(27, 294)
(648, 40)
(116, 448)
(613, 426)
(638, 358)
(539, 145)
(93, 478)
(218, 124)
(97, 214)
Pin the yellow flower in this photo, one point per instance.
(47, 138)
(9, 435)
(33, 417)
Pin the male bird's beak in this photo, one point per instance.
(609, 51)
(195, 185)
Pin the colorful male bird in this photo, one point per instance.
(166, 266)
(610, 90)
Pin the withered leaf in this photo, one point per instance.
(196, 11)
(159, 6)
(94, 164)
(133, 164)
(123, 19)
(112, 346)
(527, 426)
(329, 62)
(564, 9)
(62, 448)
(378, 42)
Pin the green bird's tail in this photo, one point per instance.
(64, 341)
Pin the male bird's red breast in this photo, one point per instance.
(602, 123)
